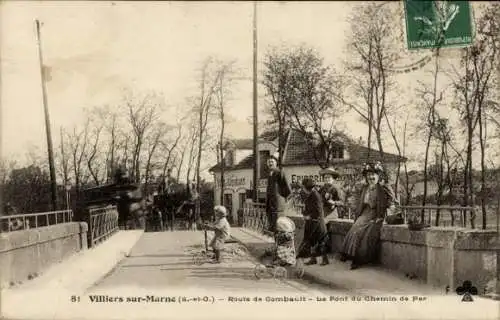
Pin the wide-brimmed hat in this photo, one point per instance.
(329, 171)
(373, 167)
(221, 209)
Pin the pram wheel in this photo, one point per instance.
(299, 272)
(299, 269)
(242, 251)
(199, 258)
(259, 271)
(280, 273)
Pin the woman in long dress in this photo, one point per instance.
(362, 242)
(316, 240)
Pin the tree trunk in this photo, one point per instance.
(483, 165)
(222, 161)
(426, 161)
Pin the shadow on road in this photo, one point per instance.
(180, 263)
(159, 256)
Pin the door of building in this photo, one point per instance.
(228, 203)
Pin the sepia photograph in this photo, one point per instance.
(249, 159)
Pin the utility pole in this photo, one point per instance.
(47, 120)
(255, 110)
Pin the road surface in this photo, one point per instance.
(164, 260)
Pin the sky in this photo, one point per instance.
(96, 49)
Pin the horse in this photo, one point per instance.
(131, 207)
(176, 202)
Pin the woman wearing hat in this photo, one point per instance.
(330, 193)
(361, 243)
(315, 242)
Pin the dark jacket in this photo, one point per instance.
(278, 190)
(385, 198)
(333, 194)
(313, 205)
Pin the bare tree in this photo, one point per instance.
(209, 80)
(110, 120)
(276, 80)
(170, 148)
(429, 98)
(222, 92)
(373, 53)
(301, 89)
(78, 142)
(142, 113)
(192, 156)
(392, 130)
(64, 159)
(157, 134)
(473, 86)
(95, 163)
(408, 188)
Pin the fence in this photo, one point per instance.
(442, 215)
(34, 220)
(254, 215)
(103, 222)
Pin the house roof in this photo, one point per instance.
(241, 144)
(299, 152)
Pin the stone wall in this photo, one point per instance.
(440, 256)
(25, 254)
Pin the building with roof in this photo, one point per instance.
(298, 162)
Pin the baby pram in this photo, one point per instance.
(206, 255)
(283, 261)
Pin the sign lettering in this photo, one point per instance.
(232, 181)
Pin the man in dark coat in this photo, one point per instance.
(278, 190)
(315, 242)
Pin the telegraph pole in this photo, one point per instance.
(255, 110)
(47, 120)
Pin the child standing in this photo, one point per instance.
(222, 231)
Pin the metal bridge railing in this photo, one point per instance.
(103, 222)
(441, 215)
(34, 220)
(255, 218)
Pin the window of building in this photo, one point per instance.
(241, 199)
(340, 152)
(228, 203)
(263, 156)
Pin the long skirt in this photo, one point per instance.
(316, 240)
(362, 242)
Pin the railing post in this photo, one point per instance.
(473, 217)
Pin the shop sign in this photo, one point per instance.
(232, 181)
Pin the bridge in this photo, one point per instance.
(53, 266)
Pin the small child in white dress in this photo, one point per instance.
(222, 232)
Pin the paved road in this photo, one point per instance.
(163, 260)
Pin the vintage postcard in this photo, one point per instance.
(250, 160)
